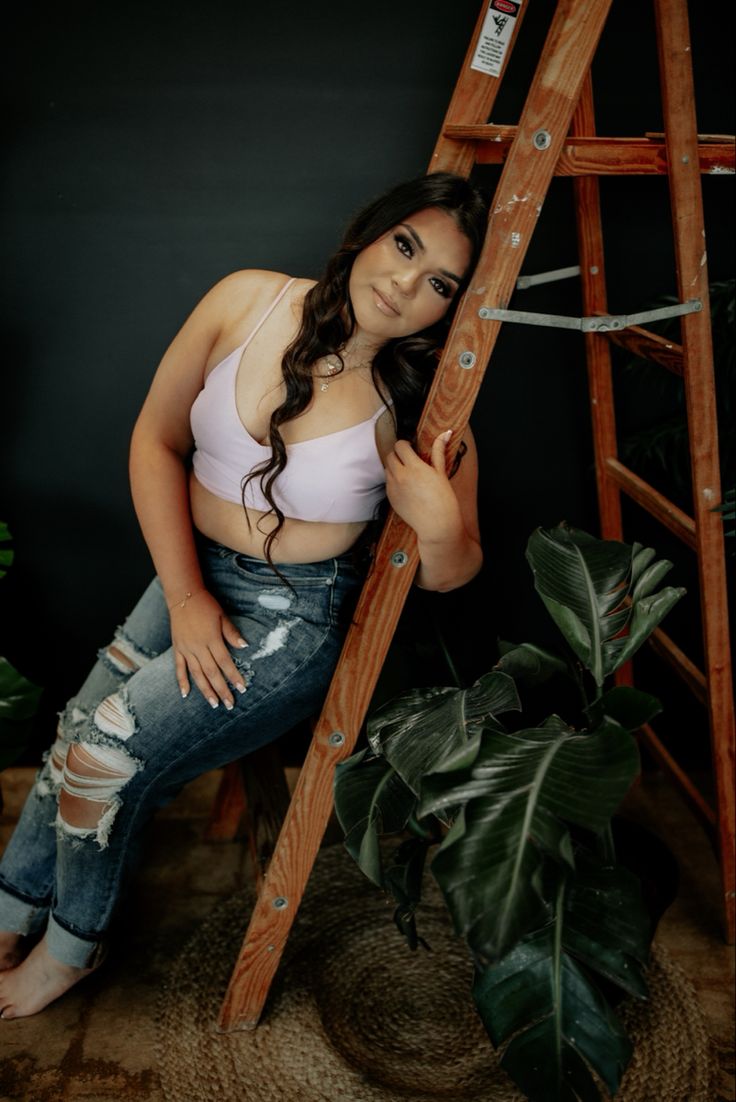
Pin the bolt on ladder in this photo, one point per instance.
(533, 151)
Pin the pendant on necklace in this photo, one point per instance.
(331, 369)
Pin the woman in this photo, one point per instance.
(277, 422)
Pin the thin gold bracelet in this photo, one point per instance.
(180, 604)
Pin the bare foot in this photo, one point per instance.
(11, 950)
(35, 983)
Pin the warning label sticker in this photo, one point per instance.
(495, 35)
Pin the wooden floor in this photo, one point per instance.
(97, 1043)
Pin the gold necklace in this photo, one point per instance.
(334, 367)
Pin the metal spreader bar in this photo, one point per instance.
(547, 277)
(596, 323)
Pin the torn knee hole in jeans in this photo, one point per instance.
(94, 773)
(57, 760)
(123, 656)
(49, 778)
(70, 724)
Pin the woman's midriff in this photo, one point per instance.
(298, 541)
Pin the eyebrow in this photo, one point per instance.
(420, 244)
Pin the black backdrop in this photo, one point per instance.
(150, 149)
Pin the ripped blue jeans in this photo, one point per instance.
(140, 742)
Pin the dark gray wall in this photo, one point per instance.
(151, 149)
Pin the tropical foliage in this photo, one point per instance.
(519, 820)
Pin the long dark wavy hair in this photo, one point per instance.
(402, 369)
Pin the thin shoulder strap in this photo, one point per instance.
(381, 409)
(267, 313)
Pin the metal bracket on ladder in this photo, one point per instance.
(547, 277)
(594, 324)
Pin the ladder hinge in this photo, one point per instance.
(594, 324)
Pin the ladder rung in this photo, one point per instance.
(649, 346)
(693, 677)
(584, 156)
(653, 501)
(690, 791)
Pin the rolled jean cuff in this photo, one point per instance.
(69, 949)
(20, 917)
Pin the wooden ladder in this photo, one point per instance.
(533, 151)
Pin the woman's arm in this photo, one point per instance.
(442, 511)
(159, 453)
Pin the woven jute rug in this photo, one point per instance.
(354, 1016)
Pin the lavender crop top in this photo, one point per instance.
(338, 477)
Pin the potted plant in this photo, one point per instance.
(520, 819)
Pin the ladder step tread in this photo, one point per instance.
(644, 494)
(649, 346)
(585, 155)
(691, 674)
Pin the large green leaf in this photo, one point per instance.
(529, 664)
(370, 799)
(600, 593)
(606, 925)
(18, 704)
(518, 792)
(488, 872)
(377, 793)
(554, 1023)
(418, 730)
(626, 705)
(580, 777)
(18, 696)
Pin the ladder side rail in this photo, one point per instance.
(689, 235)
(567, 55)
(586, 191)
(589, 225)
(472, 99)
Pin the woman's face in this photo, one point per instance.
(405, 280)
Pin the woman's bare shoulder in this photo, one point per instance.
(239, 289)
(247, 292)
